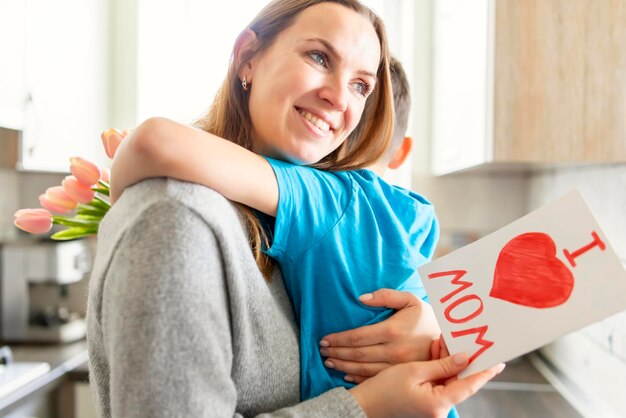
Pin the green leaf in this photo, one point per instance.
(104, 184)
(73, 233)
(89, 217)
(91, 210)
(100, 203)
(83, 223)
(102, 190)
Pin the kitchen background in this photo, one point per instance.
(515, 102)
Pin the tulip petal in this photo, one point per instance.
(77, 191)
(33, 221)
(37, 211)
(85, 171)
(57, 200)
(114, 142)
(52, 207)
(106, 141)
(106, 175)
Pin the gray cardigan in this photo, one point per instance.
(180, 321)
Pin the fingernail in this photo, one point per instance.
(501, 367)
(366, 296)
(324, 351)
(324, 343)
(329, 364)
(459, 359)
(348, 379)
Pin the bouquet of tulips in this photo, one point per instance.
(79, 203)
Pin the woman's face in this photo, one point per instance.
(309, 88)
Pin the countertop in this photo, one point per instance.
(67, 362)
(520, 391)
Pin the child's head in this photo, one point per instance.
(309, 68)
(400, 145)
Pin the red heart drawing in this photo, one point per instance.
(528, 273)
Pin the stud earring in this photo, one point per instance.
(244, 84)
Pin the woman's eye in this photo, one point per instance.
(361, 88)
(318, 57)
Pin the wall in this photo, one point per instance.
(592, 359)
(590, 365)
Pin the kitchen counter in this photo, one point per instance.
(68, 364)
(520, 391)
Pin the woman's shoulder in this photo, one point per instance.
(155, 207)
(183, 196)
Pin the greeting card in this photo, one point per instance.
(543, 276)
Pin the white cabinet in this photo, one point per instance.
(12, 51)
(532, 83)
(57, 95)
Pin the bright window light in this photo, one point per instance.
(184, 49)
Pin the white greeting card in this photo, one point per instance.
(515, 290)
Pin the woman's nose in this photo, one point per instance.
(335, 92)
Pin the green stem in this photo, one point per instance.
(82, 223)
(100, 203)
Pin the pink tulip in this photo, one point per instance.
(111, 140)
(106, 175)
(77, 190)
(85, 171)
(57, 200)
(35, 221)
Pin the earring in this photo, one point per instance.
(244, 84)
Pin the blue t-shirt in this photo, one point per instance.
(336, 236)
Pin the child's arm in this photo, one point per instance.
(163, 148)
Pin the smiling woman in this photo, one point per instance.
(318, 73)
(185, 321)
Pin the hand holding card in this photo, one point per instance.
(538, 278)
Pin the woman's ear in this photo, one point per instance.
(244, 53)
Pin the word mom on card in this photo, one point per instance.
(517, 289)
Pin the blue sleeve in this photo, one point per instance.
(310, 202)
(428, 226)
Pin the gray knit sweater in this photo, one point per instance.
(180, 321)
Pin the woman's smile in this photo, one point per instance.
(315, 123)
(309, 87)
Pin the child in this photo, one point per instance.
(335, 235)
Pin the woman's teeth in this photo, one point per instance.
(321, 125)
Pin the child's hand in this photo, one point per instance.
(366, 351)
(410, 389)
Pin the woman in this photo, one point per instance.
(193, 299)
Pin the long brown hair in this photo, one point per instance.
(229, 118)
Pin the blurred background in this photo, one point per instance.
(514, 103)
